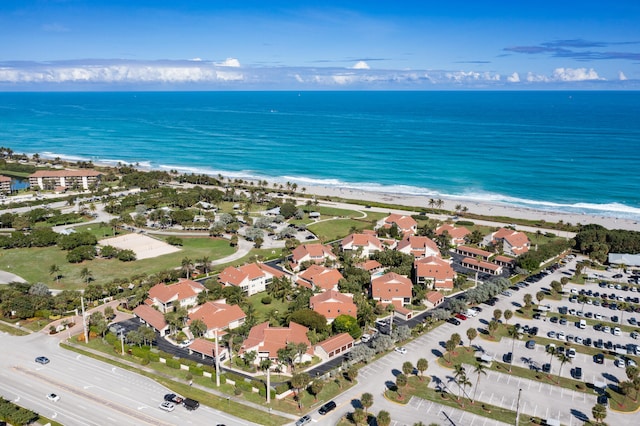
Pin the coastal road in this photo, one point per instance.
(91, 392)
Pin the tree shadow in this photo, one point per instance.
(610, 377)
(436, 353)
(390, 385)
(516, 304)
(478, 348)
(579, 415)
(395, 372)
(439, 384)
(484, 321)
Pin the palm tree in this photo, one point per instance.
(479, 369)
(563, 360)
(422, 366)
(515, 334)
(367, 401)
(439, 203)
(472, 333)
(86, 274)
(407, 368)
(599, 412)
(450, 346)
(384, 418)
(401, 381)
(551, 350)
(508, 314)
(299, 381)
(539, 297)
(55, 271)
(265, 365)
(187, 265)
(432, 202)
(206, 262)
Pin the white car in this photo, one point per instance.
(401, 350)
(167, 406)
(560, 335)
(571, 353)
(616, 331)
(619, 362)
(631, 363)
(606, 329)
(53, 397)
(597, 316)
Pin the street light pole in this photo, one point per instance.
(518, 407)
(217, 358)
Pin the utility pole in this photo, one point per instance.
(518, 407)
(84, 321)
(122, 342)
(216, 351)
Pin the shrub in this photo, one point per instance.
(196, 371)
(173, 363)
(174, 241)
(282, 388)
(154, 357)
(266, 300)
(237, 391)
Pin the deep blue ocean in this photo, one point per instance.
(565, 151)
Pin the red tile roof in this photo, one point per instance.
(390, 286)
(206, 347)
(362, 240)
(270, 339)
(418, 246)
(370, 265)
(5, 178)
(475, 251)
(181, 290)
(217, 315)
(332, 304)
(434, 297)
(315, 251)
(456, 233)
(486, 265)
(322, 277)
(151, 316)
(235, 276)
(403, 222)
(336, 342)
(436, 268)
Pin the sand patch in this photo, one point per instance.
(143, 246)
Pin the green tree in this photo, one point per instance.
(540, 297)
(366, 399)
(55, 271)
(299, 381)
(514, 333)
(450, 346)
(359, 416)
(422, 365)
(198, 327)
(527, 299)
(563, 360)
(352, 373)
(480, 370)
(492, 327)
(497, 314)
(401, 382)
(316, 388)
(472, 333)
(508, 314)
(384, 418)
(407, 368)
(86, 274)
(599, 412)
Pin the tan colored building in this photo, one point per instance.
(392, 288)
(5, 185)
(68, 179)
(331, 304)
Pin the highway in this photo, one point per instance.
(91, 392)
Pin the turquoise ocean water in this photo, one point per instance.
(563, 151)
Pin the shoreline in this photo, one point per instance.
(477, 207)
(474, 206)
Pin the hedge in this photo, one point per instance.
(196, 371)
(173, 363)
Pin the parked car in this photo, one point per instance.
(571, 353)
(603, 400)
(577, 373)
(167, 406)
(42, 360)
(531, 344)
(546, 368)
(461, 317)
(401, 350)
(331, 405)
(453, 321)
(172, 397)
(598, 358)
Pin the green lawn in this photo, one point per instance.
(33, 264)
(332, 230)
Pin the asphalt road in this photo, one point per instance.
(91, 392)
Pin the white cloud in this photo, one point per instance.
(575, 74)
(196, 59)
(621, 76)
(514, 78)
(361, 65)
(536, 78)
(229, 62)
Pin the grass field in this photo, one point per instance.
(33, 264)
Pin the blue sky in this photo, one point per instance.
(321, 45)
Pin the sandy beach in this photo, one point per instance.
(485, 209)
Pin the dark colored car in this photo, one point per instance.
(546, 368)
(327, 407)
(42, 360)
(598, 358)
(603, 400)
(453, 321)
(508, 357)
(190, 404)
(172, 397)
(531, 344)
(577, 373)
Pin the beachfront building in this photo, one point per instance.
(510, 242)
(5, 185)
(474, 252)
(66, 179)
(392, 288)
(434, 272)
(218, 316)
(405, 224)
(167, 298)
(266, 341)
(313, 253)
(332, 304)
(457, 235)
(153, 318)
(319, 278)
(365, 243)
(481, 266)
(418, 246)
(333, 346)
(251, 278)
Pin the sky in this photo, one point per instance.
(318, 45)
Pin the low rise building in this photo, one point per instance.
(69, 179)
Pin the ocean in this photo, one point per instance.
(556, 150)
